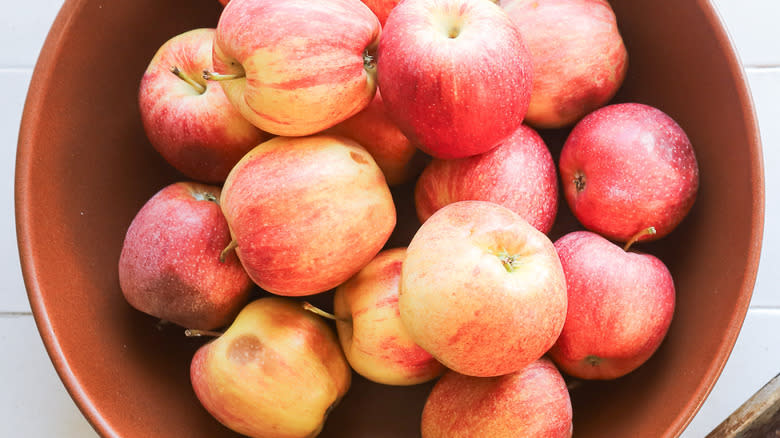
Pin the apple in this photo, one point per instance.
(620, 306)
(370, 330)
(482, 290)
(381, 8)
(307, 213)
(518, 174)
(277, 371)
(455, 75)
(399, 159)
(531, 402)
(296, 67)
(223, 2)
(578, 57)
(626, 167)
(190, 122)
(169, 263)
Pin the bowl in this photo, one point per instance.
(84, 168)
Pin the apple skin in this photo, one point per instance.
(169, 264)
(381, 8)
(307, 213)
(305, 63)
(455, 75)
(482, 290)
(370, 330)
(620, 307)
(519, 174)
(579, 58)
(627, 167)
(532, 402)
(277, 371)
(372, 128)
(200, 134)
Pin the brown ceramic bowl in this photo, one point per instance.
(85, 168)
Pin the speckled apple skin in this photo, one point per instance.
(532, 402)
(399, 159)
(371, 333)
(454, 97)
(202, 135)
(277, 372)
(303, 61)
(169, 265)
(620, 307)
(518, 174)
(307, 212)
(462, 305)
(578, 57)
(639, 170)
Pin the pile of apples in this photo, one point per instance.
(276, 119)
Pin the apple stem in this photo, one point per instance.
(369, 61)
(317, 311)
(649, 231)
(194, 333)
(212, 76)
(183, 76)
(231, 246)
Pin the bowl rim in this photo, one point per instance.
(44, 72)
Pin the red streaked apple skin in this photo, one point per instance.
(626, 167)
(372, 128)
(201, 135)
(303, 61)
(275, 373)
(461, 303)
(620, 307)
(579, 58)
(169, 264)
(518, 174)
(532, 402)
(370, 330)
(454, 74)
(307, 213)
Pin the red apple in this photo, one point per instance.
(482, 290)
(296, 67)
(455, 75)
(370, 330)
(398, 158)
(190, 122)
(519, 174)
(169, 265)
(578, 57)
(307, 213)
(223, 2)
(620, 307)
(627, 167)
(381, 8)
(277, 372)
(532, 402)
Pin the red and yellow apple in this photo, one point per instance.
(307, 213)
(532, 402)
(620, 306)
(627, 167)
(370, 330)
(189, 121)
(169, 265)
(578, 57)
(296, 67)
(518, 174)
(482, 290)
(455, 75)
(277, 372)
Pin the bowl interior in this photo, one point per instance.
(84, 168)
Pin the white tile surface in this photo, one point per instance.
(33, 402)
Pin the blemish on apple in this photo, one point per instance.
(245, 349)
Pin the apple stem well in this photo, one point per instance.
(369, 61)
(195, 333)
(649, 231)
(317, 311)
(231, 246)
(212, 76)
(186, 78)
